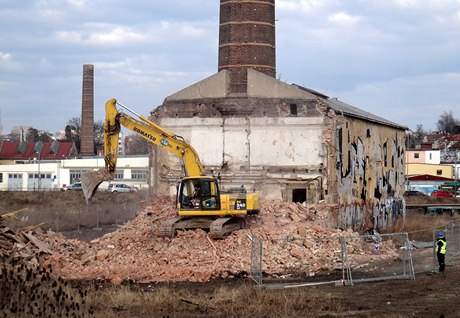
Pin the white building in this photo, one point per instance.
(53, 175)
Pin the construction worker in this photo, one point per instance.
(441, 245)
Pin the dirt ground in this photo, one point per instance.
(429, 295)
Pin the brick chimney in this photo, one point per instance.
(246, 40)
(87, 112)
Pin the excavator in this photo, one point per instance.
(200, 202)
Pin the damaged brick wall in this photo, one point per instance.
(365, 171)
(270, 145)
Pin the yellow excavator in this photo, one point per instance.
(199, 200)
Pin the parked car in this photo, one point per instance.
(411, 193)
(120, 187)
(457, 194)
(442, 193)
(72, 187)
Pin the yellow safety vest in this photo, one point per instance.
(443, 247)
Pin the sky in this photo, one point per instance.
(398, 59)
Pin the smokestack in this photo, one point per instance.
(246, 40)
(87, 112)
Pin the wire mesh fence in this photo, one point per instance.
(377, 257)
(346, 260)
(256, 259)
(291, 261)
(84, 223)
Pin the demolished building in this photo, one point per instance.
(284, 140)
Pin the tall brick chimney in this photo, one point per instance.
(87, 112)
(246, 40)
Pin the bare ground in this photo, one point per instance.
(429, 295)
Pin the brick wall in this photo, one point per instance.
(87, 115)
(246, 40)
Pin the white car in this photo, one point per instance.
(72, 187)
(119, 187)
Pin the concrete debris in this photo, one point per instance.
(296, 237)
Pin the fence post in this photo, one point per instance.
(78, 220)
(98, 210)
(408, 258)
(256, 259)
(57, 221)
(346, 270)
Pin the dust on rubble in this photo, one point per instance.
(135, 252)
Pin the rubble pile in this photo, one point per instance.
(295, 237)
(29, 289)
(137, 253)
(20, 247)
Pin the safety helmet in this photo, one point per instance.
(440, 234)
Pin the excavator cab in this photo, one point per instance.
(198, 193)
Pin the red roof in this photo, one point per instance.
(425, 177)
(12, 150)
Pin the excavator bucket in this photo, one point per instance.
(91, 180)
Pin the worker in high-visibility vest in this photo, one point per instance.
(441, 245)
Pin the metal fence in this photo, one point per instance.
(346, 260)
(83, 223)
(256, 259)
(377, 257)
(293, 261)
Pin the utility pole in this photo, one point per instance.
(39, 174)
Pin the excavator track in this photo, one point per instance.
(218, 228)
(167, 227)
(224, 226)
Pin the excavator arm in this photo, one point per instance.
(148, 130)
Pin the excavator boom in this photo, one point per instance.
(148, 130)
(199, 201)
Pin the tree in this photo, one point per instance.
(447, 123)
(32, 134)
(136, 145)
(72, 131)
(99, 136)
(419, 133)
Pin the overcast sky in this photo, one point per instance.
(398, 59)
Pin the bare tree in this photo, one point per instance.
(99, 136)
(419, 133)
(72, 131)
(32, 134)
(447, 123)
(136, 145)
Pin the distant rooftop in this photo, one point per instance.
(43, 150)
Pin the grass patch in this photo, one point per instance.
(244, 300)
(420, 226)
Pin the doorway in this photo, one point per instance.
(299, 195)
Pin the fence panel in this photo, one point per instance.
(303, 261)
(81, 223)
(298, 260)
(378, 257)
(256, 259)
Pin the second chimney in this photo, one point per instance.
(87, 112)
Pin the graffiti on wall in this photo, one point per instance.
(370, 174)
